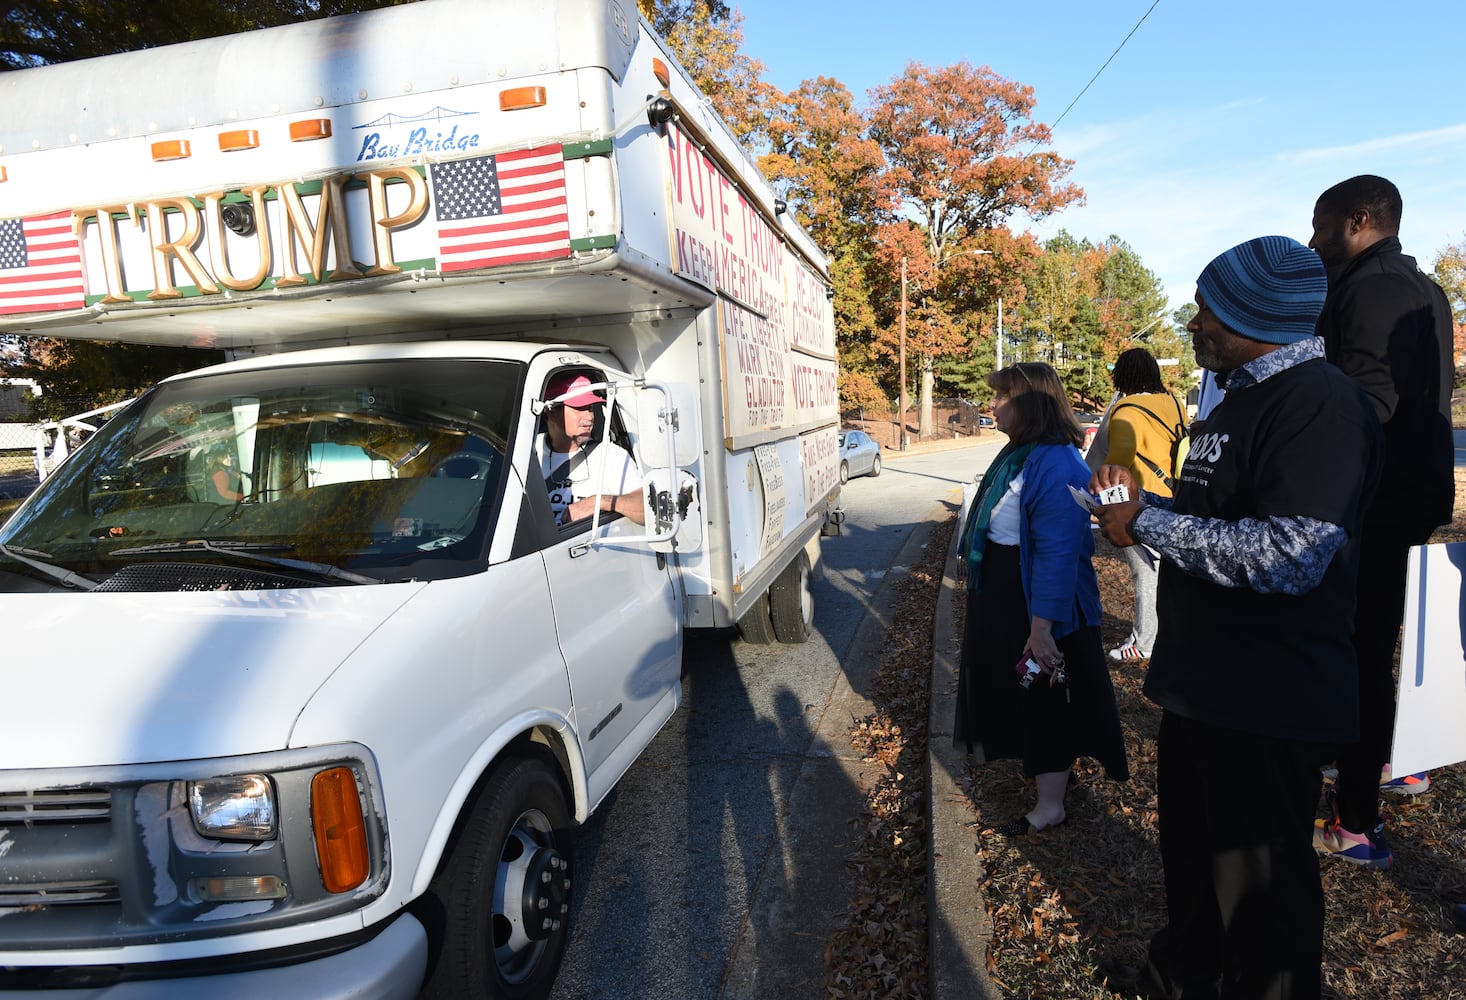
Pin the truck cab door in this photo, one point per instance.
(617, 605)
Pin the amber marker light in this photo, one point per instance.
(519, 98)
(660, 71)
(341, 841)
(171, 149)
(3, 175)
(232, 142)
(310, 128)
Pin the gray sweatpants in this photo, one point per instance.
(1143, 577)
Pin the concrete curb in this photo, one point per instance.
(957, 917)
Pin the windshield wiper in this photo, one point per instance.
(250, 550)
(65, 576)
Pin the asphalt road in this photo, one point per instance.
(715, 870)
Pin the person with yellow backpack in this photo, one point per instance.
(1147, 435)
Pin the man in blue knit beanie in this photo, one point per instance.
(1252, 666)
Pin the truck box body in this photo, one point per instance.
(316, 626)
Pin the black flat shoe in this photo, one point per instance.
(1126, 980)
(1021, 827)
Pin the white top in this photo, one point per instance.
(1003, 525)
(607, 464)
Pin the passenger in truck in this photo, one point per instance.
(575, 462)
(225, 478)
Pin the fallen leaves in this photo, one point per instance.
(1061, 902)
(1387, 934)
(880, 951)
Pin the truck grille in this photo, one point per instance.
(55, 805)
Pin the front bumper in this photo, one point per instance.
(389, 965)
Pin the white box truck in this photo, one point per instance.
(308, 683)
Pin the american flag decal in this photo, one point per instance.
(502, 209)
(40, 265)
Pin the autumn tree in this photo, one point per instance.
(963, 155)
(706, 37)
(78, 375)
(831, 176)
(1087, 303)
(1135, 312)
(1450, 274)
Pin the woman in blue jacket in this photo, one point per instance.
(1032, 595)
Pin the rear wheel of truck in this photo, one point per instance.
(755, 626)
(501, 897)
(791, 602)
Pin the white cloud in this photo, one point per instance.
(1181, 189)
(1452, 136)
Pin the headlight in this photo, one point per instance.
(241, 807)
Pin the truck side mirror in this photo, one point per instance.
(673, 511)
(668, 424)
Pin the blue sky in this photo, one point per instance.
(1216, 122)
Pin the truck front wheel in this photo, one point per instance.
(791, 602)
(501, 898)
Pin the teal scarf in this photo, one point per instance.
(1000, 474)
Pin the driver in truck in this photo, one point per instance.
(575, 464)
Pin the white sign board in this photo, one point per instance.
(819, 454)
(776, 499)
(756, 366)
(1430, 721)
(721, 241)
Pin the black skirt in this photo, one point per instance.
(1047, 727)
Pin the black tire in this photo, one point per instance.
(791, 602)
(755, 626)
(517, 831)
(875, 467)
(844, 473)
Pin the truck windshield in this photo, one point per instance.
(330, 474)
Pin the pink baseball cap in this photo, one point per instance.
(569, 382)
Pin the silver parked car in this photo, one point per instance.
(859, 455)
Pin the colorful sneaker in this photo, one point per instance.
(1129, 651)
(1406, 784)
(1370, 849)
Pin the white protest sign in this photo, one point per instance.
(1430, 720)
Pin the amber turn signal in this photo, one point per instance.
(233, 142)
(341, 841)
(519, 98)
(171, 149)
(310, 128)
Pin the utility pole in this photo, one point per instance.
(901, 430)
(1000, 334)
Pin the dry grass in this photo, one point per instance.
(1063, 901)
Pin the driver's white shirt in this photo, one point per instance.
(608, 463)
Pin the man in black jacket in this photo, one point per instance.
(1388, 326)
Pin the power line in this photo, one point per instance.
(1097, 72)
